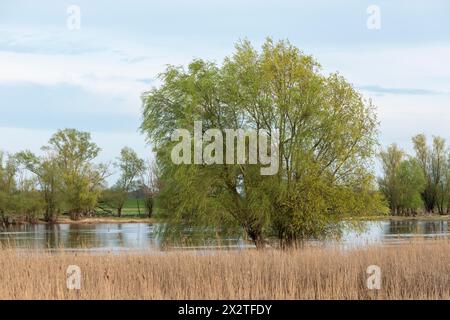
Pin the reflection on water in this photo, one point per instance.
(81, 236)
(125, 236)
(397, 232)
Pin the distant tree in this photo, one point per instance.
(433, 162)
(67, 176)
(428, 174)
(48, 176)
(131, 168)
(113, 198)
(390, 183)
(8, 170)
(412, 183)
(28, 200)
(151, 184)
(81, 179)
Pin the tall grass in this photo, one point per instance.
(412, 271)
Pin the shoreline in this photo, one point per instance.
(432, 217)
(96, 220)
(134, 219)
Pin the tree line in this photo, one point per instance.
(66, 180)
(417, 183)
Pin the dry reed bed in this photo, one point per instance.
(412, 271)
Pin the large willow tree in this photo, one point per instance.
(327, 135)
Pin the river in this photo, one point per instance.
(120, 237)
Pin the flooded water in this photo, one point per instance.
(138, 236)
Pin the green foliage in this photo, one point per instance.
(27, 200)
(81, 180)
(403, 181)
(47, 173)
(8, 170)
(68, 179)
(412, 183)
(391, 160)
(434, 162)
(113, 198)
(327, 138)
(19, 196)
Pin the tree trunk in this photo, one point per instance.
(119, 212)
(75, 215)
(50, 217)
(149, 205)
(257, 239)
(139, 208)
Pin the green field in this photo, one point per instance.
(130, 208)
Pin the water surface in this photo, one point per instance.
(139, 236)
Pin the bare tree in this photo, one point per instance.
(150, 185)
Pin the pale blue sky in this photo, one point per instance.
(91, 79)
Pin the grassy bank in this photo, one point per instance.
(93, 220)
(413, 271)
(87, 220)
(135, 218)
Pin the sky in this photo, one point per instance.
(55, 75)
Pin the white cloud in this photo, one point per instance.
(116, 69)
(423, 66)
